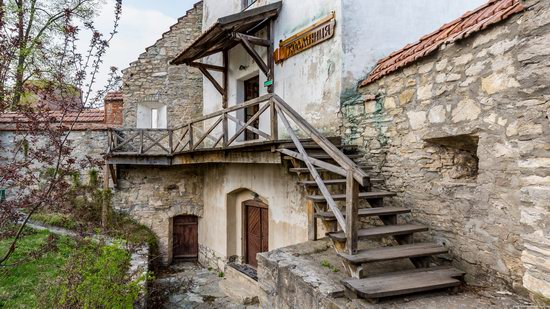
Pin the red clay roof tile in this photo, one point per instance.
(114, 96)
(471, 22)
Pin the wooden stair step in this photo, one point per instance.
(380, 231)
(332, 182)
(316, 146)
(305, 170)
(324, 156)
(394, 252)
(367, 212)
(342, 197)
(392, 284)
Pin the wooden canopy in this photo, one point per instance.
(227, 31)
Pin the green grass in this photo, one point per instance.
(20, 285)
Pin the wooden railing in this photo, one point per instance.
(212, 132)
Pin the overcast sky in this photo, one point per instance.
(142, 23)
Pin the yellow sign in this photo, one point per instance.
(306, 39)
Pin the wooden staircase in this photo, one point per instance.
(320, 165)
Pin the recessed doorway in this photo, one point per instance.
(185, 238)
(251, 91)
(256, 215)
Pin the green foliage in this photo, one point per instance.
(328, 265)
(56, 219)
(34, 263)
(93, 178)
(95, 277)
(221, 274)
(75, 180)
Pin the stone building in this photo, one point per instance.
(225, 154)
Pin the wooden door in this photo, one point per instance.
(257, 230)
(186, 238)
(251, 91)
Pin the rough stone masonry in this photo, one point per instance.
(151, 79)
(463, 136)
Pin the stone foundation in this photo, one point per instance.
(153, 196)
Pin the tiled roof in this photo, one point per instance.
(88, 119)
(471, 22)
(114, 96)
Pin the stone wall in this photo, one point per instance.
(151, 79)
(154, 195)
(463, 137)
(84, 144)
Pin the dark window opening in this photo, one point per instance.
(455, 157)
(2, 195)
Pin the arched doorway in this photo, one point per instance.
(256, 230)
(185, 238)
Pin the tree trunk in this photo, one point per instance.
(22, 50)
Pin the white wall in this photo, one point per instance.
(309, 82)
(230, 185)
(374, 29)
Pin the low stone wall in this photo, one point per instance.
(463, 137)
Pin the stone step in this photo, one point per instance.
(394, 252)
(381, 231)
(367, 212)
(333, 182)
(400, 283)
(362, 195)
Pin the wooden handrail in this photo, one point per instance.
(323, 142)
(314, 174)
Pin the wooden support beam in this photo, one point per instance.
(225, 55)
(312, 226)
(352, 210)
(212, 80)
(207, 66)
(270, 60)
(252, 39)
(252, 52)
(112, 169)
(156, 142)
(274, 121)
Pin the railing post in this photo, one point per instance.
(141, 141)
(352, 199)
(274, 121)
(225, 129)
(170, 141)
(190, 136)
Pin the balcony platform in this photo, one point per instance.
(261, 152)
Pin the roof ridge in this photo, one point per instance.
(470, 22)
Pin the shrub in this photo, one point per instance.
(96, 276)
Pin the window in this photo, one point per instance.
(2, 195)
(154, 118)
(248, 3)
